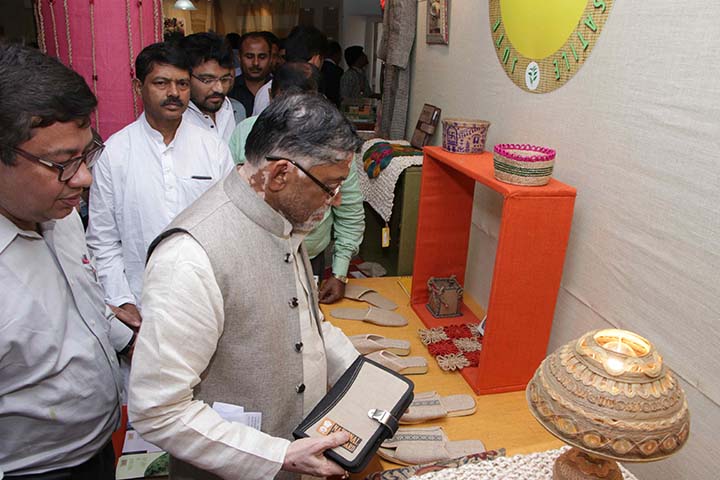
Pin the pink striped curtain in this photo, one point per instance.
(100, 40)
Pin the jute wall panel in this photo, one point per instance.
(637, 131)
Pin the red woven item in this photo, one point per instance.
(453, 346)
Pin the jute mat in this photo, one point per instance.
(534, 466)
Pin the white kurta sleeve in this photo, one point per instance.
(183, 320)
(103, 236)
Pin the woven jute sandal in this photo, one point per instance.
(429, 406)
(377, 316)
(365, 294)
(413, 446)
(401, 365)
(369, 343)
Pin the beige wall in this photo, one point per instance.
(637, 131)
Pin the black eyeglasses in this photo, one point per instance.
(69, 168)
(224, 80)
(330, 192)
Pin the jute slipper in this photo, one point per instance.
(369, 343)
(416, 434)
(365, 294)
(415, 453)
(401, 365)
(429, 406)
(378, 316)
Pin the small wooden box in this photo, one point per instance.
(445, 297)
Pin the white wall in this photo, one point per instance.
(637, 131)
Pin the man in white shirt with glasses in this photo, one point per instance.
(150, 171)
(211, 79)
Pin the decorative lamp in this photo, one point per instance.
(610, 396)
(184, 5)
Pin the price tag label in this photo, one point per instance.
(385, 236)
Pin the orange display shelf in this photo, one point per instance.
(534, 231)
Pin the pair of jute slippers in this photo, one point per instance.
(413, 446)
(369, 343)
(378, 313)
(431, 406)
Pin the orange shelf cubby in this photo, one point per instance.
(534, 231)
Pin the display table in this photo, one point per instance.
(501, 420)
(534, 231)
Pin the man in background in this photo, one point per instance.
(354, 82)
(150, 171)
(242, 325)
(211, 77)
(304, 44)
(344, 222)
(60, 386)
(255, 56)
(332, 72)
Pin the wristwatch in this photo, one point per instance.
(342, 278)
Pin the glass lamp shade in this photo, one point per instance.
(184, 5)
(609, 394)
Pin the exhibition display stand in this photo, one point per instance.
(533, 237)
(500, 421)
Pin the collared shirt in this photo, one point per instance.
(184, 301)
(224, 122)
(262, 99)
(59, 383)
(348, 218)
(354, 84)
(139, 186)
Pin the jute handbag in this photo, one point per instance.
(366, 402)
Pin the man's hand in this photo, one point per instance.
(306, 456)
(331, 290)
(128, 314)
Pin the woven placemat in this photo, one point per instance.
(453, 346)
(534, 466)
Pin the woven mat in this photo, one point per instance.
(535, 466)
(380, 192)
(453, 346)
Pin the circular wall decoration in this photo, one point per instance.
(541, 45)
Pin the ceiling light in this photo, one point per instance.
(184, 5)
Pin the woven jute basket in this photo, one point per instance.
(464, 136)
(529, 165)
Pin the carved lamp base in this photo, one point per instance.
(578, 465)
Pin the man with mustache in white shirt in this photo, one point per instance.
(149, 172)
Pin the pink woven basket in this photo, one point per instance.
(529, 165)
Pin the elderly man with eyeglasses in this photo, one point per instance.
(149, 172)
(211, 79)
(60, 388)
(231, 308)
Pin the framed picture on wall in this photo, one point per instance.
(438, 13)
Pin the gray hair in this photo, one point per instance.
(304, 127)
